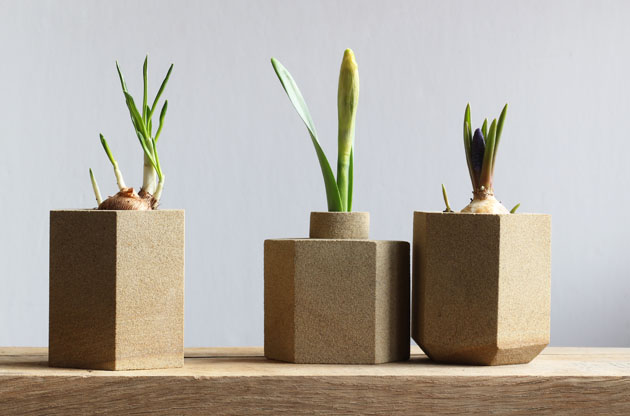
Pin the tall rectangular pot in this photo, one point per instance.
(481, 286)
(336, 301)
(116, 289)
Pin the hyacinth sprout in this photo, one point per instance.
(153, 178)
(481, 153)
(339, 190)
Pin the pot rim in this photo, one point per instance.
(482, 214)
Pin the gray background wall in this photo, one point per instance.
(239, 160)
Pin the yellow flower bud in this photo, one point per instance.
(347, 101)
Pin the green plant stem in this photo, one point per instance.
(513, 210)
(350, 180)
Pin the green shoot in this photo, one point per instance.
(481, 153)
(513, 210)
(445, 195)
(144, 93)
(481, 150)
(499, 131)
(119, 177)
(153, 177)
(160, 91)
(467, 144)
(488, 156)
(162, 114)
(97, 191)
(338, 191)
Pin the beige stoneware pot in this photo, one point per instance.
(337, 297)
(116, 289)
(481, 286)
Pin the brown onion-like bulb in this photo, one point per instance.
(127, 199)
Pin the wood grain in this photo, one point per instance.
(239, 381)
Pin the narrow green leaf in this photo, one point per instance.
(138, 133)
(145, 143)
(107, 150)
(499, 131)
(157, 166)
(122, 79)
(350, 180)
(486, 170)
(513, 210)
(161, 90)
(144, 95)
(162, 114)
(295, 96)
(136, 117)
(467, 114)
(484, 128)
(147, 152)
(163, 111)
(467, 144)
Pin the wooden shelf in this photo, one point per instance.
(239, 381)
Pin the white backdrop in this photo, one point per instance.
(239, 160)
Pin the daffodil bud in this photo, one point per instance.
(347, 102)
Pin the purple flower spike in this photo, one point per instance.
(477, 150)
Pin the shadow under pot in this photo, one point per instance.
(337, 297)
(481, 286)
(116, 289)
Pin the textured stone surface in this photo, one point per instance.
(340, 225)
(481, 286)
(336, 301)
(116, 289)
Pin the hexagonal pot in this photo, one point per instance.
(337, 297)
(116, 289)
(481, 286)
